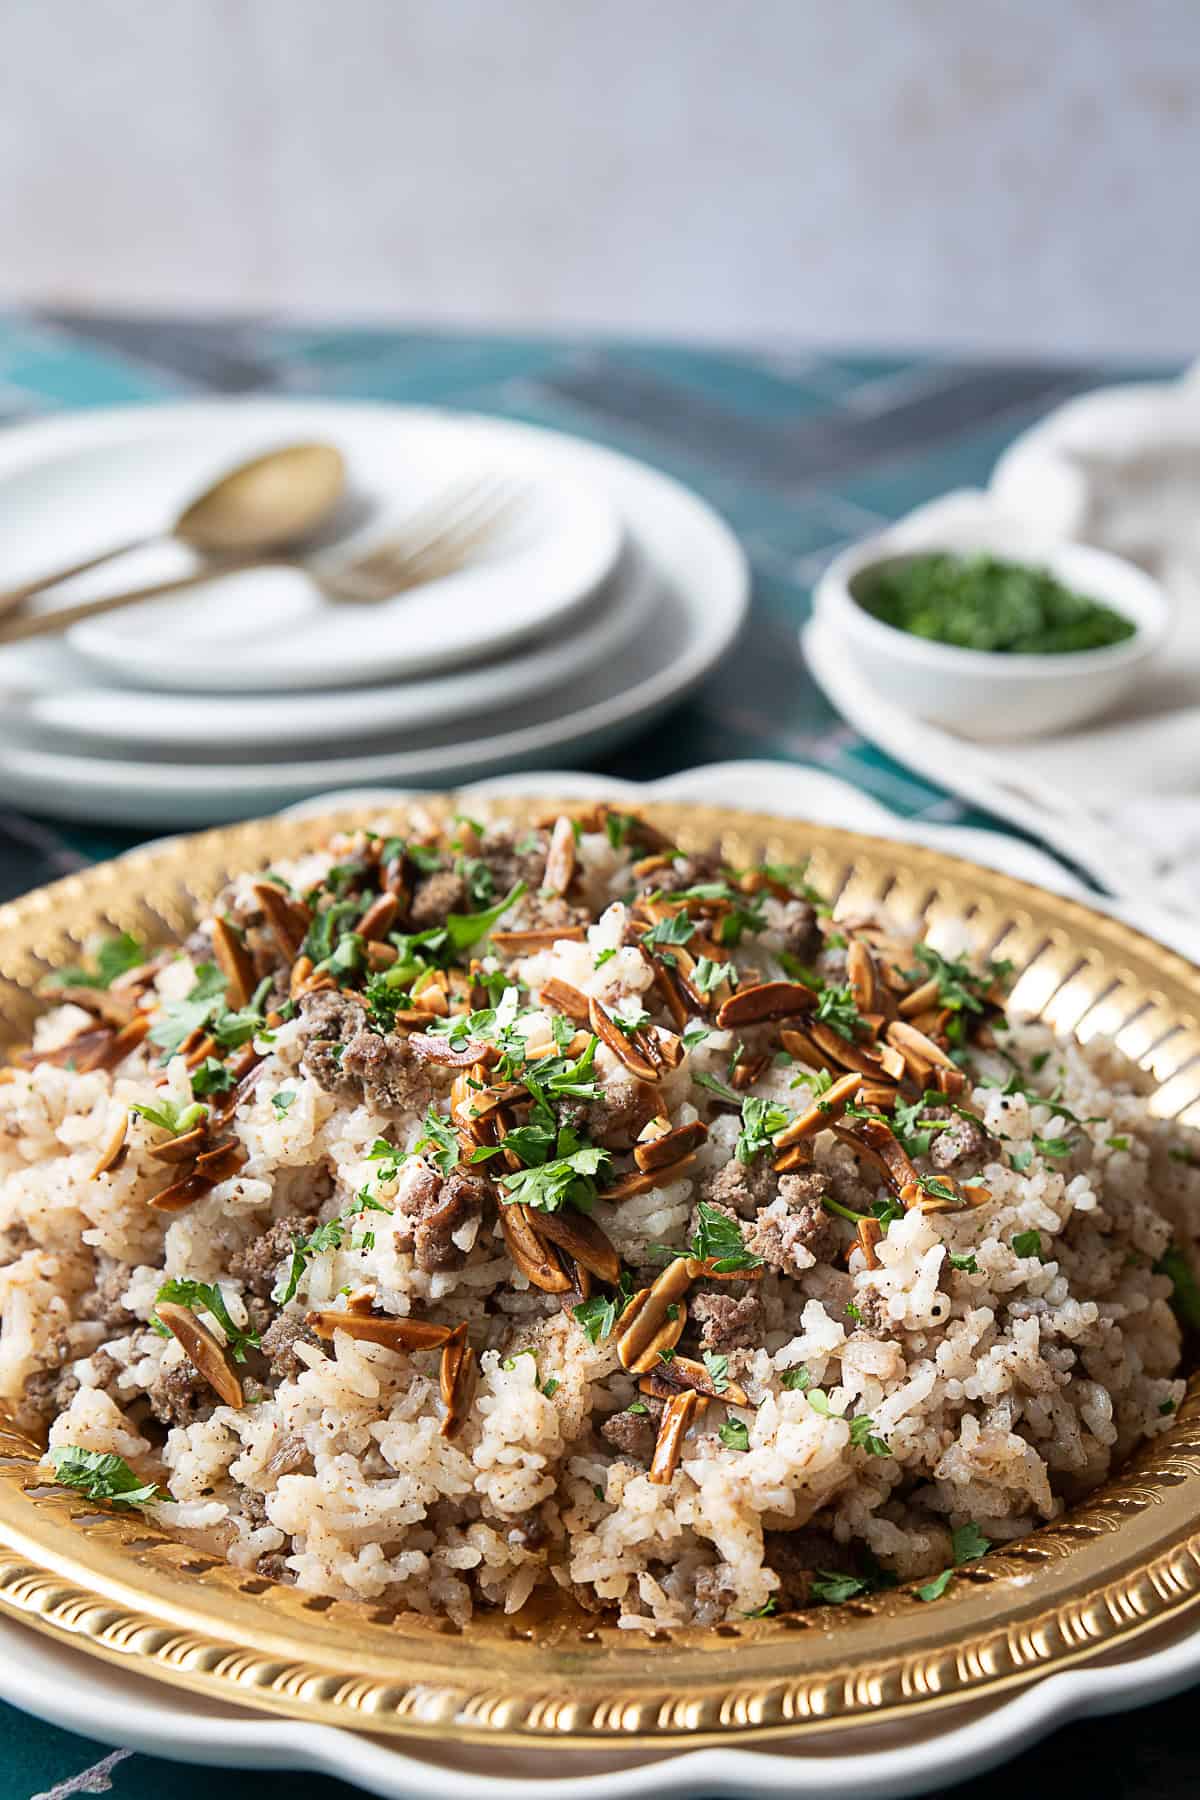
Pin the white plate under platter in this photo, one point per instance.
(82, 1694)
(693, 610)
(118, 720)
(74, 484)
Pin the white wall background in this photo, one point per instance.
(1017, 174)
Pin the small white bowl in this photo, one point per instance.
(989, 694)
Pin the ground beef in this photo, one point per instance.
(528, 1530)
(274, 1566)
(279, 1346)
(800, 930)
(509, 864)
(616, 1118)
(963, 1140)
(633, 1434)
(806, 1225)
(257, 1265)
(874, 1320)
(796, 1556)
(436, 895)
(330, 1022)
(104, 1302)
(51, 1391)
(178, 1395)
(725, 1323)
(387, 1073)
(741, 1188)
(686, 872)
(436, 1207)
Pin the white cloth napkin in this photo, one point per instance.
(1120, 795)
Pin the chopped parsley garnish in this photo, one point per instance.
(600, 1313)
(617, 827)
(675, 929)
(696, 1035)
(1166, 1407)
(708, 975)
(388, 1158)
(113, 956)
(212, 1077)
(465, 929)
(734, 1434)
(203, 1296)
(834, 1589)
(568, 1180)
(1117, 1143)
(797, 1378)
(1021, 1159)
(761, 1120)
(837, 1009)
(765, 1611)
(1185, 1298)
(603, 956)
(437, 1142)
(967, 1264)
(968, 1544)
(182, 1017)
(1182, 1156)
(720, 1088)
(637, 1406)
(983, 602)
(718, 1370)
(479, 880)
(960, 988)
(717, 1239)
(1028, 1243)
(168, 1115)
(551, 1386)
(630, 1023)
(101, 1476)
(510, 1362)
(863, 1436)
(283, 1101)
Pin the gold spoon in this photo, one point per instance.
(263, 505)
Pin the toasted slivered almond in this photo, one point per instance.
(112, 1007)
(684, 1372)
(200, 1052)
(913, 1194)
(797, 1156)
(114, 1147)
(576, 1047)
(378, 919)
(891, 1062)
(921, 999)
(182, 1193)
(869, 1233)
(707, 1268)
(183, 1148)
(432, 1002)
(705, 1000)
(583, 1241)
(951, 1082)
(879, 1094)
(769, 1000)
(222, 1161)
(204, 1349)
(744, 1074)
(834, 1048)
(881, 1145)
(540, 937)
(94, 1040)
(529, 1250)
(566, 999)
(629, 1050)
(456, 1379)
(975, 1192)
(654, 1319)
(560, 857)
(289, 920)
(653, 1129)
(641, 1181)
(679, 1414)
(914, 1045)
(669, 993)
(378, 1328)
(862, 976)
(823, 1113)
(235, 963)
(662, 1151)
(380, 957)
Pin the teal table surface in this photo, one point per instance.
(802, 452)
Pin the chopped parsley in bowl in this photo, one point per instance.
(982, 602)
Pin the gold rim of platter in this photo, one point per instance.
(1124, 1561)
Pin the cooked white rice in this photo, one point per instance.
(999, 1391)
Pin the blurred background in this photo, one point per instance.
(1010, 178)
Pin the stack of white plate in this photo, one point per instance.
(612, 595)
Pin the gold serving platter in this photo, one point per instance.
(1125, 1561)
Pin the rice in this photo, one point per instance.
(983, 1366)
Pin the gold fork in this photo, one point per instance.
(446, 535)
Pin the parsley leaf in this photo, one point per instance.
(168, 1115)
(1185, 1298)
(569, 1179)
(734, 1434)
(969, 1543)
(113, 956)
(718, 1370)
(761, 1119)
(101, 1476)
(677, 928)
(182, 1017)
(283, 1101)
(720, 1089)
(967, 1264)
(837, 1009)
(933, 1590)
(212, 1077)
(1028, 1243)
(708, 974)
(438, 1141)
(797, 1378)
(600, 1313)
(603, 956)
(465, 929)
(721, 1238)
(863, 1436)
(834, 1589)
(203, 1296)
